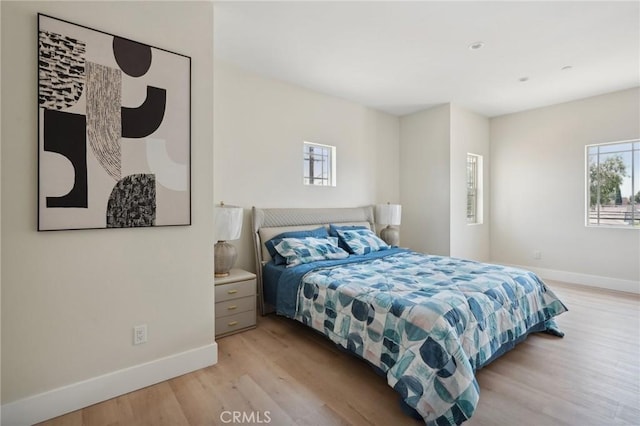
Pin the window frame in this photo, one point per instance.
(634, 171)
(328, 174)
(474, 188)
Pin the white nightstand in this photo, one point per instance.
(235, 302)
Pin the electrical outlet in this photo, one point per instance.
(140, 334)
(537, 254)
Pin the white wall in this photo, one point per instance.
(538, 190)
(259, 127)
(71, 298)
(425, 181)
(469, 134)
(433, 157)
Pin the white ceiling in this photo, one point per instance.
(403, 57)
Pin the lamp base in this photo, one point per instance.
(390, 235)
(224, 257)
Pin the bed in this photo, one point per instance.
(425, 322)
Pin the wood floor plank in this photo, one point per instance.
(156, 405)
(113, 412)
(303, 406)
(197, 397)
(263, 406)
(591, 377)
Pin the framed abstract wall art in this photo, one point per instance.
(114, 131)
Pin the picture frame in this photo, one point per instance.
(114, 131)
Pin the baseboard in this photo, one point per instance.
(69, 398)
(628, 286)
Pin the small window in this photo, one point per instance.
(319, 164)
(474, 189)
(613, 184)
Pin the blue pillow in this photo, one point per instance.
(362, 241)
(333, 231)
(297, 251)
(272, 243)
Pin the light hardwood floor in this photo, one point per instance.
(590, 377)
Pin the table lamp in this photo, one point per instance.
(227, 226)
(389, 215)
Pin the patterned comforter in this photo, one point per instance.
(427, 321)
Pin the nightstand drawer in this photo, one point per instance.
(235, 290)
(235, 322)
(235, 306)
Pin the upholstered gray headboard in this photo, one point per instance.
(267, 223)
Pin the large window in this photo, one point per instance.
(319, 164)
(613, 184)
(474, 189)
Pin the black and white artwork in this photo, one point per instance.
(114, 131)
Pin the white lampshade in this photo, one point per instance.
(227, 222)
(388, 214)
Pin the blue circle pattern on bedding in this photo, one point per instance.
(429, 324)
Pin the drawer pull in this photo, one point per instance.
(232, 307)
(232, 323)
(232, 291)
